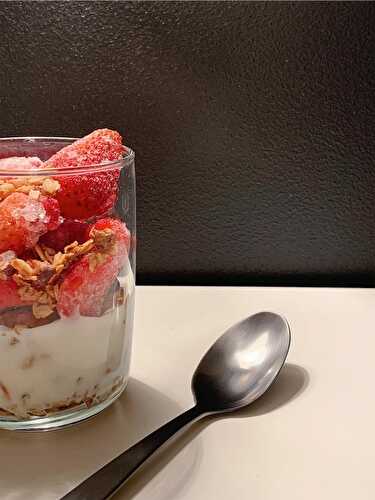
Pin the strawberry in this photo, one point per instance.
(85, 195)
(9, 294)
(86, 283)
(118, 229)
(68, 232)
(20, 163)
(24, 219)
(101, 146)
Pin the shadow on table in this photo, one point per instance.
(154, 480)
(291, 382)
(46, 465)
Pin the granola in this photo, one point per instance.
(38, 278)
(86, 400)
(27, 185)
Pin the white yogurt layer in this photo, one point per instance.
(65, 361)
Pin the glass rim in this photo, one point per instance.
(123, 162)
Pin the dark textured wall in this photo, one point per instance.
(252, 123)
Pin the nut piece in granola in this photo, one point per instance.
(42, 185)
(104, 239)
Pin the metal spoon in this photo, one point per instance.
(235, 371)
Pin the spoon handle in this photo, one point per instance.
(107, 480)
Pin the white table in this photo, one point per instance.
(311, 437)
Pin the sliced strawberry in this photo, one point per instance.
(68, 232)
(82, 196)
(85, 286)
(24, 219)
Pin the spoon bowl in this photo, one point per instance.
(242, 363)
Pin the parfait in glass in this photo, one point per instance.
(67, 266)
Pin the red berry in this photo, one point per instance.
(68, 232)
(9, 294)
(82, 196)
(85, 285)
(85, 195)
(119, 230)
(20, 163)
(101, 146)
(24, 219)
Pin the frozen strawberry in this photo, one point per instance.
(101, 146)
(118, 230)
(9, 294)
(86, 195)
(85, 285)
(24, 219)
(20, 163)
(83, 290)
(68, 232)
(82, 196)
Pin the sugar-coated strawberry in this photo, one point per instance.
(84, 287)
(101, 146)
(68, 232)
(20, 163)
(83, 291)
(84, 195)
(24, 219)
(9, 294)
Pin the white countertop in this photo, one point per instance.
(311, 437)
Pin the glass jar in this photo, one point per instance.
(66, 285)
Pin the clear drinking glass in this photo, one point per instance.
(66, 313)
